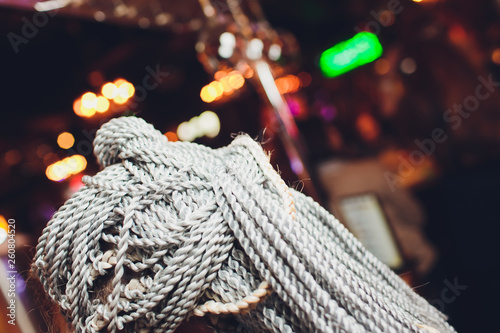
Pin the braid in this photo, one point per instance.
(173, 229)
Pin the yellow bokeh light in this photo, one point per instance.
(126, 90)
(89, 100)
(217, 86)
(212, 91)
(61, 170)
(86, 112)
(55, 172)
(119, 82)
(109, 90)
(77, 163)
(4, 229)
(206, 94)
(236, 80)
(120, 99)
(65, 140)
(225, 85)
(102, 104)
(3, 223)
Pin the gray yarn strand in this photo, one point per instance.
(166, 227)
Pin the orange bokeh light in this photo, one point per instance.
(219, 75)
(171, 136)
(65, 140)
(288, 84)
(77, 107)
(495, 56)
(119, 82)
(225, 84)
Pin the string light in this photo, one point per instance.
(65, 168)
(65, 140)
(119, 91)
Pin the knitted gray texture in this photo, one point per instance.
(185, 224)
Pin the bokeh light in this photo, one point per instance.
(209, 124)
(65, 168)
(12, 157)
(109, 90)
(65, 140)
(361, 49)
(77, 107)
(408, 66)
(224, 84)
(382, 66)
(236, 80)
(186, 132)
(119, 99)
(495, 56)
(288, 84)
(89, 100)
(4, 227)
(171, 136)
(102, 104)
(126, 90)
(206, 124)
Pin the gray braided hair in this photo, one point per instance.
(175, 229)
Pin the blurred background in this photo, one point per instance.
(386, 112)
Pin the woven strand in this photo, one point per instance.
(169, 230)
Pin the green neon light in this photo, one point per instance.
(361, 49)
